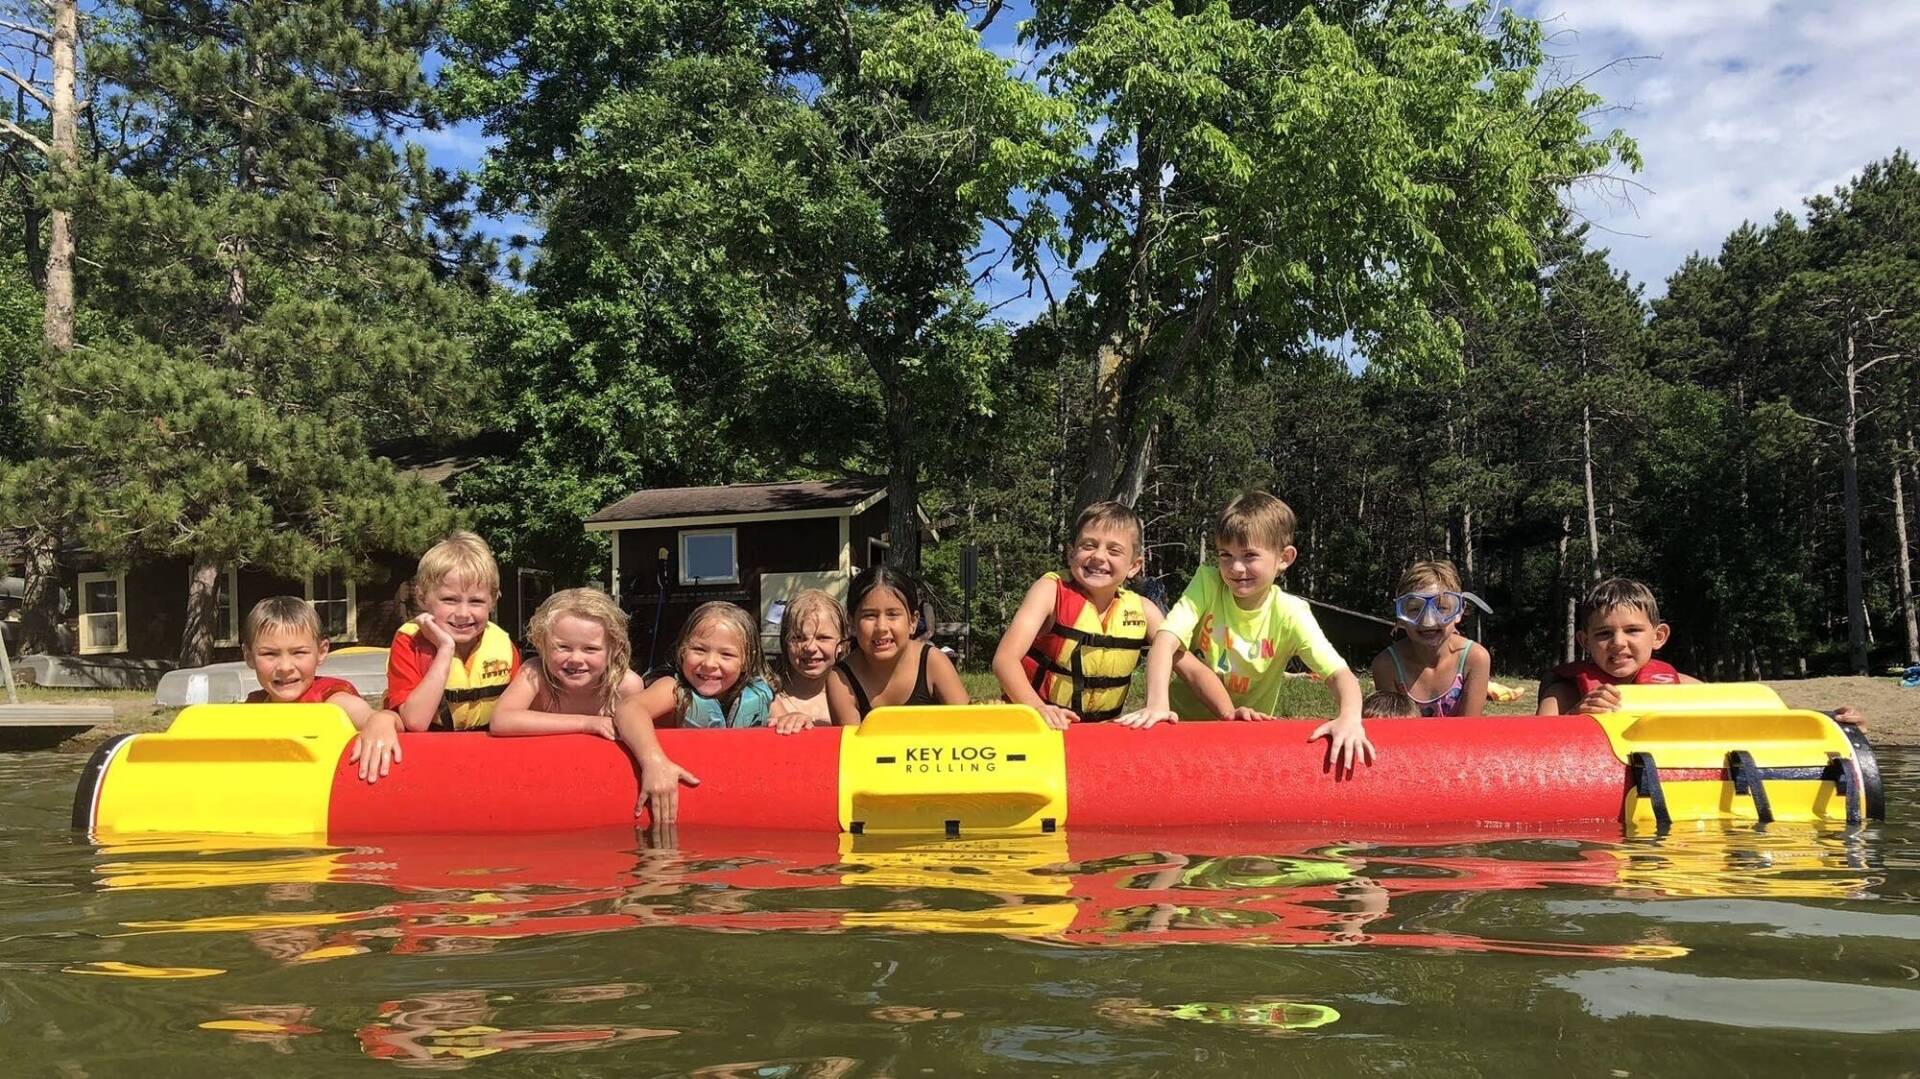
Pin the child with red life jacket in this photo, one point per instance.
(1619, 627)
(448, 667)
(283, 643)
(1071, 648)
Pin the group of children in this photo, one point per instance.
(1070, 652)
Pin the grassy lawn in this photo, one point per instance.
(1302, 697)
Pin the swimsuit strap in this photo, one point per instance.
(1406, 687)
(921, 693)
(1460, 672)
(859, 693)
(1399, 674)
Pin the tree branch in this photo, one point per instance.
(26, 87)
(22, 28)
(28, 137)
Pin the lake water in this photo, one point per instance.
(1311, 952)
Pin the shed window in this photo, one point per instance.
(332, 596)
(103, 613)
(709, 556)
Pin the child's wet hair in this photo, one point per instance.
(753, 659)
(1387, 702)
(1255, 517)
(804, 607)
(279, 613)
(1110, 515)
(876, 577)
(1614, 592)
(1435, 573)
(461, 556)
(595, 606)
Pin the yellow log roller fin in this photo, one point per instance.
(984, 768)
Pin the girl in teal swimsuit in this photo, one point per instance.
(1443, 672)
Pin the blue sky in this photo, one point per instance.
(1740, 107)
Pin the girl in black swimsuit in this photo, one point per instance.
(881, 605)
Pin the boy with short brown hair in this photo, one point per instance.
(1618, 626)
(1071, 649)
(283, 643)
(1247, 629)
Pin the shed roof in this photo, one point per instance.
(848, 494)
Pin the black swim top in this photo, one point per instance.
(922, 693)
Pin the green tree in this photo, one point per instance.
(1317, 170)
(754, 198)
(282, 278)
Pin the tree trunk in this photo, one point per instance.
(40, 619)
(1904, 560)
(57, 320)
(203, 596)
(903, 485)
(1568, 644)
(1850, 475)
(1109, 455)
(1586, 468)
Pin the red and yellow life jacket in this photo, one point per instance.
(1588, 676)
(1085, 662)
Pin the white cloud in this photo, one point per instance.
(1750, 107)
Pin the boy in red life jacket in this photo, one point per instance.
(283, 643)
(1071, 648)
(1620, 629)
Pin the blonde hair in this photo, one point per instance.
(1617, 592)
(734, 618)
(805, 606)
(1432, 573)
(281, 613)
(595, 606)
(461, 555)
(1255, 517)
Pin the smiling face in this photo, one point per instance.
(1437, 619)
(284, 660)
(813, 647)
(576, 653)
(882, 624)
(462, 607)
(713, 658)
(1103, 557)
(1622, 639)
(1248, 568)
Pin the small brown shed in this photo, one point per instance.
(752, 544)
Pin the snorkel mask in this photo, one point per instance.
(1435, 609)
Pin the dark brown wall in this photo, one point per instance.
(794, 546)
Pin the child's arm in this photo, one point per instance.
(840, 702)
(1035, 613)
(1346, 734)
(1473, 695)
(1556, 697)
(1192, 670)
(377, 747)
(1384, 675)
(1160, 657)
(660, 778)
(422, 701)
(946, 686)
(513, 713)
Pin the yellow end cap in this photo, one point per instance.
(988, 767)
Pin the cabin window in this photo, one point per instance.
(226, 609)
(709, 556)
(332, 596)
(103, 613)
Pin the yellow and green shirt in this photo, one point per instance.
(1249, 650)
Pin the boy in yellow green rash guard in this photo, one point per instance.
(1238, 620)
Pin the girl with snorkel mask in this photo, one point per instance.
(1428, 660)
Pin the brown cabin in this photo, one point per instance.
(752, 544)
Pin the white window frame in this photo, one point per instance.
(733, 536)
(353, 605)
(119, 612)
(233, 607)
